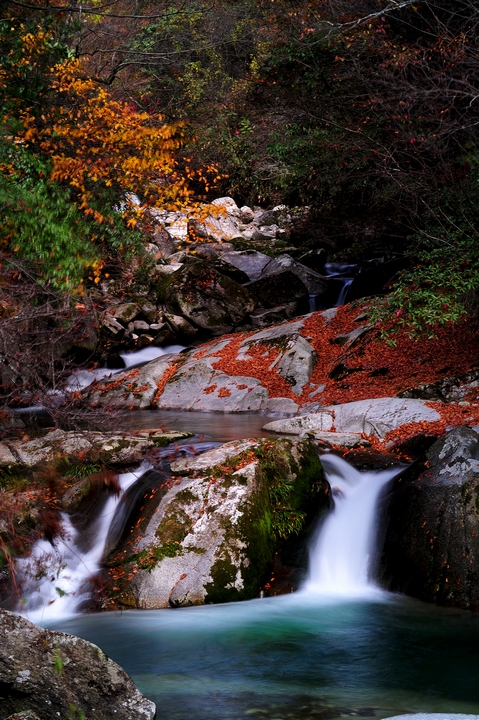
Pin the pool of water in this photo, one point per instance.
(297, 656)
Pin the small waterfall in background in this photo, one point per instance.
(56, 579)
(83, 378)
(341, 550)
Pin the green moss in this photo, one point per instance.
(173, 527)
(290, 489)
(186, 496)
(161, 441)
(149, 559)
(222, 588)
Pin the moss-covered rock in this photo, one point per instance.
(211, 301)
(213, 534)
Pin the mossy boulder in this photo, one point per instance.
(430, 516)
(217, 524)
(211, 301)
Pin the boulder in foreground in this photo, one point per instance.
(52, 674)
(209, 535)
(431, 520)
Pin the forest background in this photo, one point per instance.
(366, 111)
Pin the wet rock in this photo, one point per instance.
(314, 259)
(449, 389)
(211, 536)
(181, 328)
(52, 674)
(251, 262)
(192, 381)
(430, 516)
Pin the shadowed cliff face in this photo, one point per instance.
(430, 521)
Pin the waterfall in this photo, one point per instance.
(341, 550)
(56, 578)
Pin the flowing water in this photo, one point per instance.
(57, 578)
(339, 648)
(83, 378)
(342, 548)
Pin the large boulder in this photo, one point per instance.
(430, 517)
(374, 417)
(211, 301)
(283, 287)
(316, 283)
(209, 535)
(52, 674)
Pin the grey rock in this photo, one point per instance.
(207, 299)
(49, 673)
(121, 448)
(374, 417)
(126, 312)
(316, 283)
(180, 326)
(228, 204)
(217, 228)
(164, 242)
(133, 388)
(449, 389)
(112, 326)
(140, 325)
(430, 517)
(278, 314)
(208, 539)
(250, 262)
(149, 311)
(278, 289)
(169, 269)
(246, 214)
(297, 364)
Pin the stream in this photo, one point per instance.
(340, 647)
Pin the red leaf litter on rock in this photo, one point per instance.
(350, 368)
(375, 369)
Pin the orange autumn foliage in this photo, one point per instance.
(96, 142)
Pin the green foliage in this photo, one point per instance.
(149, 559)
(441, 287)
(40, 223)
(287, 491)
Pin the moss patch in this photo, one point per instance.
(149, 559)
(174, 527)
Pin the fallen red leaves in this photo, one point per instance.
(379, 370)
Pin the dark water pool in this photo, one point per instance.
(297, 656)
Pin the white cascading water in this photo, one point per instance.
(83, 378)
(56, 578)
(341, 550)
